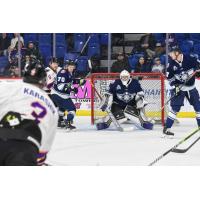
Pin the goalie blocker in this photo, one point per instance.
(126, 100)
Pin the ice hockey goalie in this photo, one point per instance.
(125, 99)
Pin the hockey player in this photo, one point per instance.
(125, 98)
(180, 74)
(28, 119)
(51, 71)
(63, 87)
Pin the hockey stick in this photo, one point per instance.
(174, 147)
(179, 89)
(186, 149)
(115, 122)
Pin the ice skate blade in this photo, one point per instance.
(167, 136)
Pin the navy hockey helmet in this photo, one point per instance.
(34, 73)
(53, 60)
(175, 49)
(69, 62)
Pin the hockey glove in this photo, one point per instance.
(82, 82)
(176, 90)
(74, 90)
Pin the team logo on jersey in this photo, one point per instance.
(126, 97)
(118, 87)
(175, 68)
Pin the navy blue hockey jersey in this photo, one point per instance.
(124, 95)
(177, 72)
(64, 79)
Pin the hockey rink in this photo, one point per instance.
(89, 147)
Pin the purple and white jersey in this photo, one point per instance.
(32, 103)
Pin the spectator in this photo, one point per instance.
(15, 40)
(94, 63)
(4, 44)
(159, 50)
(32, 51)
(13, 68)
(147, 45)
(158, 67)
(121, 64)
(143, 65)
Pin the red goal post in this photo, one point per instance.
(152, 84)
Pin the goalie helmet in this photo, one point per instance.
(34, 73)
(125, 77)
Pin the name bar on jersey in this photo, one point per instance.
(40, 97)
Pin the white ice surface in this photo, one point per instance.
(87, 146)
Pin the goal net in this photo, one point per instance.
(151, 83)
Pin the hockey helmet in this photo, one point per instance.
(125, 77)
(34, 73)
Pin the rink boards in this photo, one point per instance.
(83, 99)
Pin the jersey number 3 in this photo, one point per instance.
(41, 114)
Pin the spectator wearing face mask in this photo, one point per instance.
(157, 67)
(121, 64)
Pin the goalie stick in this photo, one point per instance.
(186, 149)
(115, 122)
(174, 147)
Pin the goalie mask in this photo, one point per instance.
(125, 77)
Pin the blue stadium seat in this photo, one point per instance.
(163, 59)
(70, 56)
(195, 37)
(30, 37)
(159, 37)
(44, 38)
(180, 37)
(78, 45)
(60, 51)
(3, 63)
(94, 38)
(104, 38)
(60, 39)
(45, 50)
(93, 49)
(79, 37)
(186, 48)
(133, 60)
(189, 43)
(196, 49)
(82, 64)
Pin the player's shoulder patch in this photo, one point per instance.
(62, 71)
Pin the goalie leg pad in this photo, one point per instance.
(103, 125)
(118, 113)
(147, 125)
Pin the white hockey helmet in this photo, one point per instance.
(125, 77)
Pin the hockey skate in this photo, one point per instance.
(61, 123)
(69, 126)
(167, 132)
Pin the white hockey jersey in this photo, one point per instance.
(33, 103)
(51, 77)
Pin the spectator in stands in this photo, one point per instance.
(4, 44)
(121, 64)
(32, 51)
(15, 40)
(159, 49)
(158, 67)
(143, 65)
(147, 45)
(13, 69)
(94, 63)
